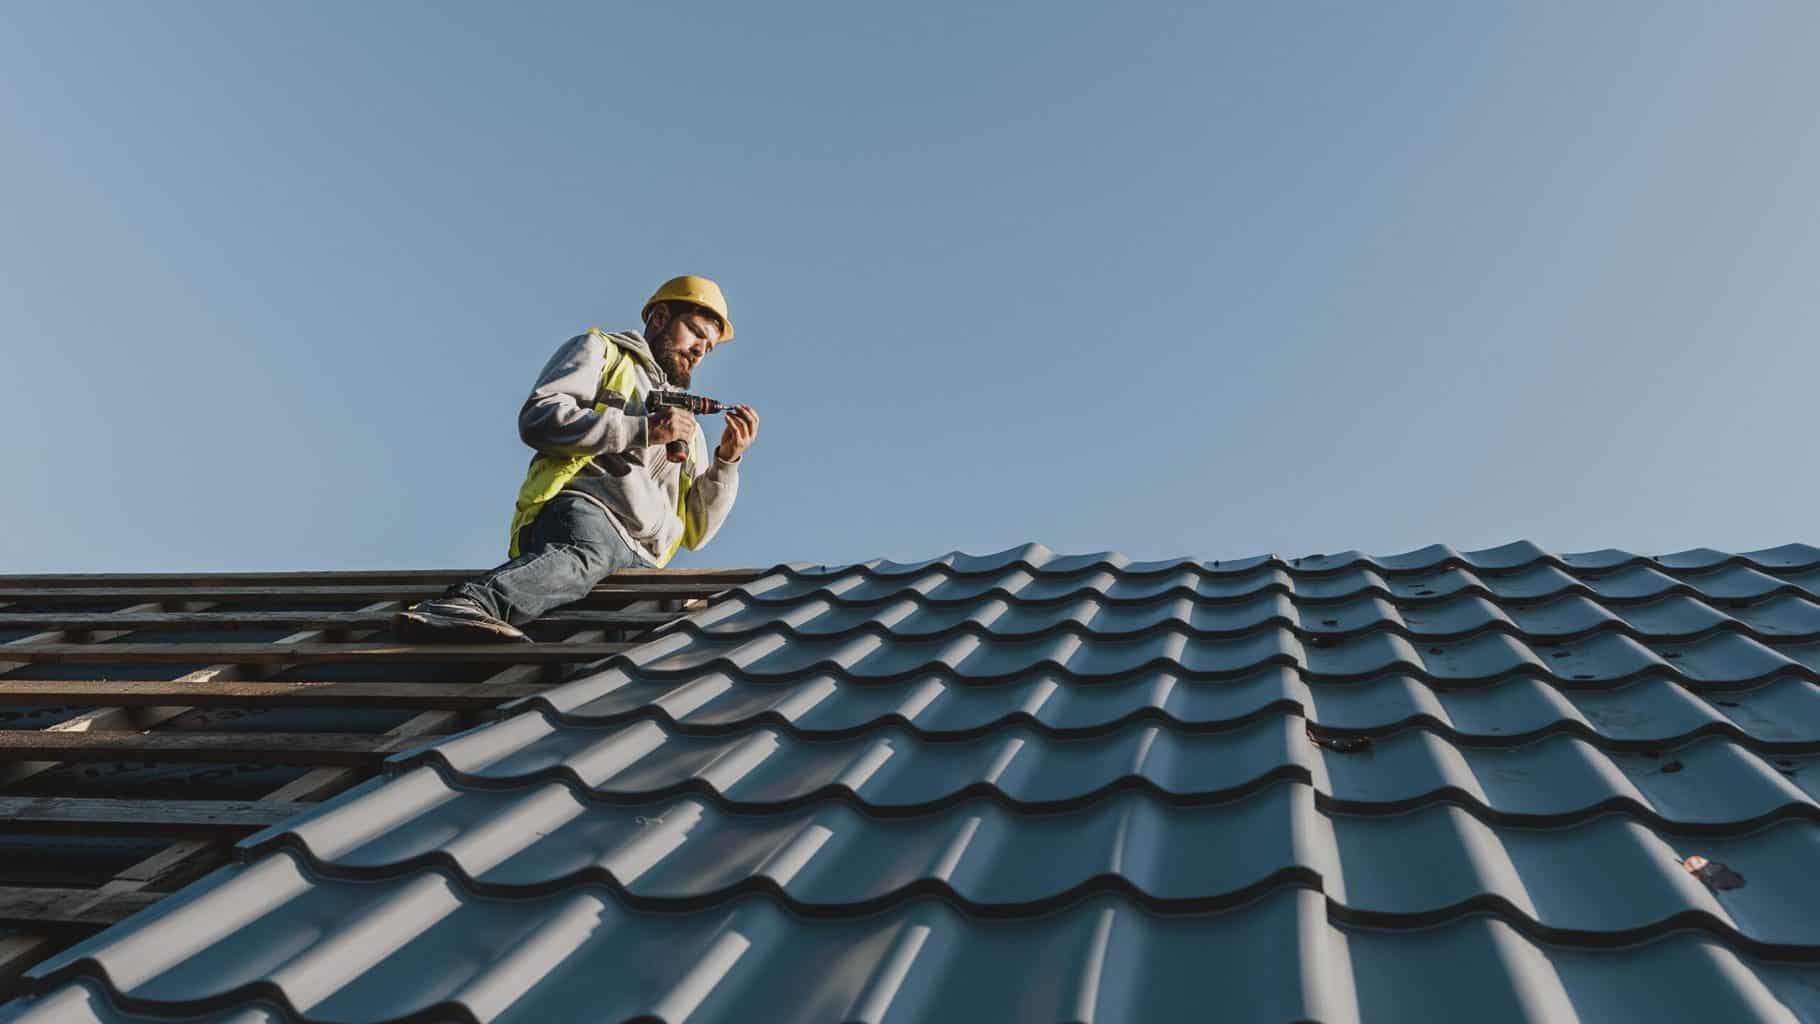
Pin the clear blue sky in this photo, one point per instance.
(1208, 279)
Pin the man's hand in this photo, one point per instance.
(669, 424)
(742, 427)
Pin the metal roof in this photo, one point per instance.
(1493, 785)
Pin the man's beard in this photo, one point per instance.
(677, 375)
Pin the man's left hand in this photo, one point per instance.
(742, 427)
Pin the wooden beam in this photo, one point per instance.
(325, 782)
(306, 748)
(21, 950)
(18, 953)
(385, 577)
(133, 888)
(96, 816)
(180, 862)
(146, 716)
(82, 620)
(310, 653)
(349, 592)
(32, 905)
(243, 693)
(176, 865)
(8, 662)
(60, 634)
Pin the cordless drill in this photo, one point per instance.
(700, 405)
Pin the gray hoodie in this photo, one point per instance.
(626, 476)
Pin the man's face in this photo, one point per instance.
(681, 342)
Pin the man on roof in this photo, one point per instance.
(601, 494)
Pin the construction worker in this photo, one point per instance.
(600, 494)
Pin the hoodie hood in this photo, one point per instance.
(635, 345)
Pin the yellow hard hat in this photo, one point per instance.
(695, 290)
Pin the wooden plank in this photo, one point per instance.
(310, 653)
(59, 634)
(386, 577)
(30, 905)
(350, 592)
(325, 782)
(82, 620)
(253, 693)
(19, 952)
(96, 816)
(306, 748)
(174, 866)
(180, 862)
(9, 663)
(146, 716)
(19, 770)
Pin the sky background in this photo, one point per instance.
(1211, 279)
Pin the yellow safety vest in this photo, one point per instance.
(549, 474)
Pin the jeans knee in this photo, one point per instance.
(597, 560)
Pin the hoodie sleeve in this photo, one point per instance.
(707, 503)
(559, 417)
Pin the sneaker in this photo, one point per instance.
(453, 620)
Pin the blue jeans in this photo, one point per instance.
(568, 548)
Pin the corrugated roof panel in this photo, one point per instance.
(1609, 873)
(1493, 785)
(1554, 776)
(581, 954)
(1653, 708)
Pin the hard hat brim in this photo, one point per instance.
(726, 325)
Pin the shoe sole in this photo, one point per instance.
(428, 627)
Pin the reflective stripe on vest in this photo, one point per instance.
(549, 474)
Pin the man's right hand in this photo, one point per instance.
(669, 424)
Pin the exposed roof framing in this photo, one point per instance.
(111, 683)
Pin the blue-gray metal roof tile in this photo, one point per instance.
(1651, 708)
(583, 954)
(1442, 785)
(833, 857)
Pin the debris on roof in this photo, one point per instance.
(1713, 873)
(1030, 787)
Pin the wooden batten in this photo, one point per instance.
(131, 817)
(306, 748)
(309, 653)
(331, 659)
(24, 595)
(255, 693)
